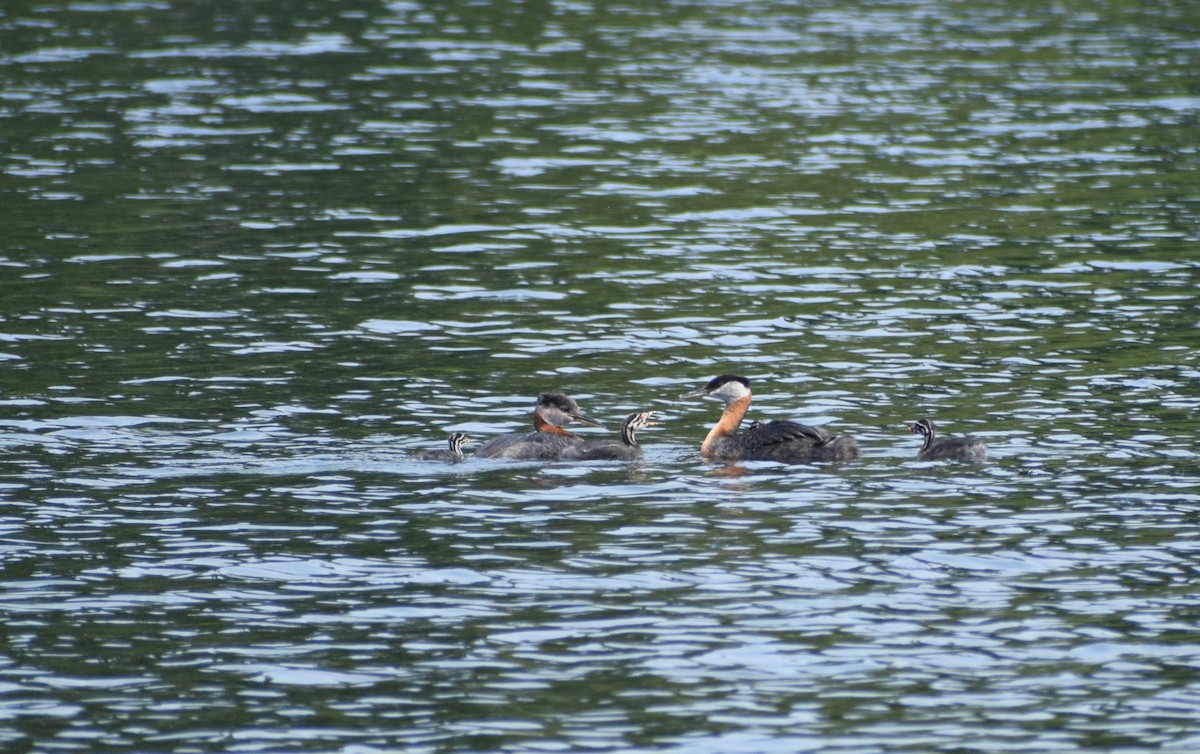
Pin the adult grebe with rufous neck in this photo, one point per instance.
(549, 441)
(776, 440)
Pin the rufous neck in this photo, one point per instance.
(731, 418)
(541, 425)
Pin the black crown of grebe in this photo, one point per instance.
(956, 448)
(608, 450)
(454, 454)
(549, 440)
(777, 440)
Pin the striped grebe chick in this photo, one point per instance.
(776, 440)
(454, 454)
(957, 448)
(608, 450)
(549, 441)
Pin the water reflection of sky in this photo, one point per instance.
(258, 256)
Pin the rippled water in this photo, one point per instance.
(256, 255)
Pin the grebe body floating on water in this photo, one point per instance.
(454, 454)
(776, 440)
(551, 413)
(965, 448)
(608, 450)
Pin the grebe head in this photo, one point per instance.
(727, 387)
(922, 427)
(560, 410)
(457, 441)
(633, 423)
(640, 421)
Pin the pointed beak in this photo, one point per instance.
(580, 417)
(694, 394)
(911, 427)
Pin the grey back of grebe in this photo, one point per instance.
(954, 448)
(454, 454)
(777, 440)
(549, 441)
(609, 450)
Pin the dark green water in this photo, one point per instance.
(257, 254)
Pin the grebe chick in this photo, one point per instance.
(454, 454)
(550, 414)
(607, 450)
(961, 448)
(776, 440)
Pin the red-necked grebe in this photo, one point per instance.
(454, 454)
(766, 441)
(550, 414)
(608, 450)
(965, 448)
